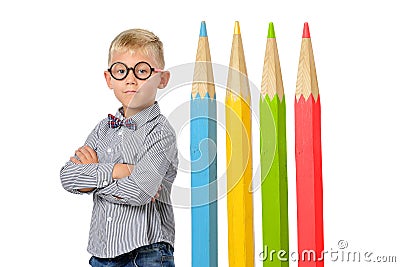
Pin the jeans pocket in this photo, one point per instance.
(167, 261)
(155, 255)
(148, 258)
(167, 256)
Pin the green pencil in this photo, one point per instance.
(274, 188)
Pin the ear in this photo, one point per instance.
(164, 79)
(107, 76)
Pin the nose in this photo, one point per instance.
(130, 78)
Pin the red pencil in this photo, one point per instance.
(308, 159)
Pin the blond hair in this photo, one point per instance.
(138, 40)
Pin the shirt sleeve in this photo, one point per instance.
(78, 176)
(158, 157)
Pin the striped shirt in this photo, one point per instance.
(124, 217)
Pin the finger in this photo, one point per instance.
(85, 152)
(153, 199)
(75, 160)
(130, 167)
(80, 155)
(90, 154)
(91, 151)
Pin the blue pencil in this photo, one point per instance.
(203, 153)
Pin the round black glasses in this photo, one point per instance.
(142, 70)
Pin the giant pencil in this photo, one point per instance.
(308, 157)
(273, 156)
(203, 141)
(239, 158)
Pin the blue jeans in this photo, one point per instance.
(154, 255)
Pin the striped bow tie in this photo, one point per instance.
(114, 122)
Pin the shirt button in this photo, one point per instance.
(105, 183)
(109, 219)
(120, 132)
(109, 150)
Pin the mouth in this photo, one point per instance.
(130, 92)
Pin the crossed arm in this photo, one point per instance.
(86, 155)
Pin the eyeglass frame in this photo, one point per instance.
(133, 70)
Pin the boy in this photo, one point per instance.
(129, 161)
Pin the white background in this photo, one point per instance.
(53, 55)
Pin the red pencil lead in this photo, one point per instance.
(306, 30)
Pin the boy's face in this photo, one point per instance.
(133, 93)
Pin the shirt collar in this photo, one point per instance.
(143, 116)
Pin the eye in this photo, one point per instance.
(118, 70)
(142, 71)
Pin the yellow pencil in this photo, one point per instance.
(239, 158)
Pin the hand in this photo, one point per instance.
(153, 199)
(86, 190)
(86, 155)
(121, 170)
